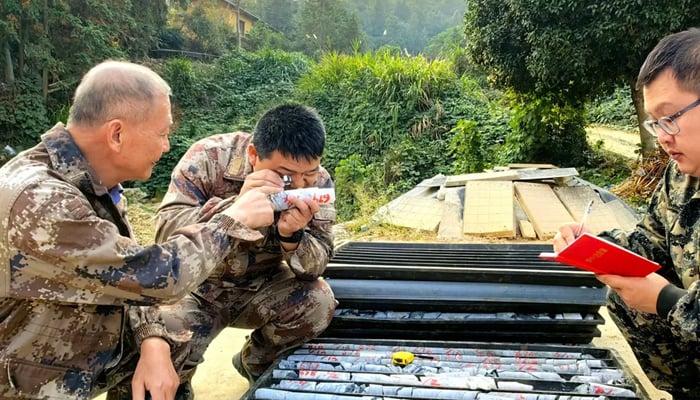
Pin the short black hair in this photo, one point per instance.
(294, 130)
(678, 52)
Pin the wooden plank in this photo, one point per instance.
(451, 222)
(543, 208)
(461, 180)
(415, 212)
(540, 174)
(626, 219)
(488, 209)
(576, 198)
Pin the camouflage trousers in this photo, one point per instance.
(284, 313)
(671, 362)
(117, 380)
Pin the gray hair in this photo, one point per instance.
(679, 53)
(116, 89)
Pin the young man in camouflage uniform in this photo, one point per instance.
(69, 266)
(270, 285)
(659, 314)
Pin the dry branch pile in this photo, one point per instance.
(645, 178)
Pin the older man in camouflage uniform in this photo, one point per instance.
(660, 314)
(271, 285)
(69, 266)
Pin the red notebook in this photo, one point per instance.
(597, 255)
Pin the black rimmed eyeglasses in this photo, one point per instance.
(668, 124)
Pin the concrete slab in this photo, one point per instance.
(544, 209)
(488, 209)
(451, 223)
(626, 219)
(576, 198)
(417, 212)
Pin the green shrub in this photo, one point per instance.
(468, 144)
(359, 188)
(393, 110)
(545, 131)
(616, 109)
(23, 114)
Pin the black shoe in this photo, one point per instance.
(184, 392)
(237, 362)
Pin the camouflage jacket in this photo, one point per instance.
(69, 269)
(209, 176)
(670, 234)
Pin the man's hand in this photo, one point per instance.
(566, 235)
(296, 217)
(254, 208)
(265, 179)
(154, 372)
(638, 293)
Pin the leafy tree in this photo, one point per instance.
(204, 30)
(261, 37)
(280, 15)
(408, 24)
(46, 46)
(571, 51)
(326, 25)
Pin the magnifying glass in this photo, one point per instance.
(287, 180)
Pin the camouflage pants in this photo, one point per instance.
(117, 380)
(671, 362)
(284, 313)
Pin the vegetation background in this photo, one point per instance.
(407, 89)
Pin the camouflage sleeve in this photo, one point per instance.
(648, 238)
(83, 258)
(189, 198)
(653, 238)
(177, 210)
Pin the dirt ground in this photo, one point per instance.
(621, 142)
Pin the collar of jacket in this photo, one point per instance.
(239, 165)
(69, 161)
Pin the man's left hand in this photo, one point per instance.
(638, 293)
(154, 372)
(296, 217)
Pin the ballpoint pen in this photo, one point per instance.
(586, 213)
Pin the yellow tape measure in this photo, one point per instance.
(402, 358)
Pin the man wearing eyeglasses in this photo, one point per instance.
(659, 314)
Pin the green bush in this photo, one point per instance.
(614, 109)
(359, 188)
(545, 131)
(394, 111)
(469, 144)
(23, 114)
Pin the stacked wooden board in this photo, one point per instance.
(518, 201)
